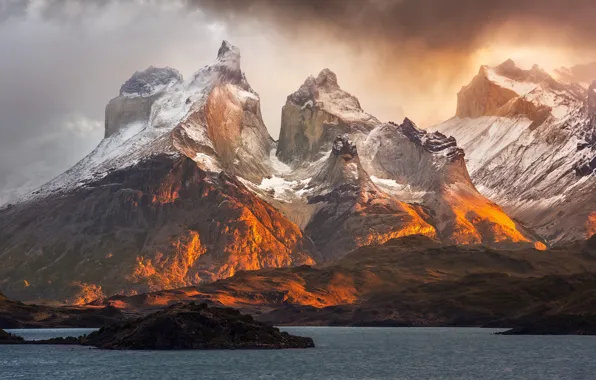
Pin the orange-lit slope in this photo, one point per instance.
(373, 271)
(351, 210)
(163, 224)
(429, 169)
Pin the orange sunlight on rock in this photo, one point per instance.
(476, 216)
(591, 225)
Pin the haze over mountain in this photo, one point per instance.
(530, 143)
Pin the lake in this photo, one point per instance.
(341, 353)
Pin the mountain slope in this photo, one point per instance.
(351, 210)
(414, 276)
(188, 187)
(409, 180)
(529, 142)
(152, 208)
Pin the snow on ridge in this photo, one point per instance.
(132, 143)
(519, 87)
(278, 166)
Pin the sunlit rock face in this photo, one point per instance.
(530, 147)
(382, 181)
(315, 114)
(159, 203)
(351, 210)
(161, 224)
(429, 169)
(188, 187)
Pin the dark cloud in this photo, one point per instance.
(438, 24)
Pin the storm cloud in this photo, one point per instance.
(62, 60)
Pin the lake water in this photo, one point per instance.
(341, 353)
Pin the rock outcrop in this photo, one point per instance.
(315, 114)
(6, 338)
(189, 327)
(137, 96)
(351, 210)
(429, 169)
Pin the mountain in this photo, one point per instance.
(157, 204)
(187, 187)
(530, 146)
(395, 180)
(413, 280)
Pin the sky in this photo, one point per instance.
(61, 61)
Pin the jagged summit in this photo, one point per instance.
(228, 50)
(160, 203)
(434, 142)
(213, 117)
(509, 91)
(315, 114)
(342, 168)
(510, 70)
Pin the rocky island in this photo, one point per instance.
(186, 327)
(7, 338)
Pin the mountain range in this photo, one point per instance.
(530, 147)
(188, 187)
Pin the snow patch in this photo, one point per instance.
(521, 88)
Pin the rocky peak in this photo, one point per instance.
(150, 81)
(229, 55)
(315, 115)
(227, 48)
(327, 79)
(434, 142)
(510, 70)
(343, 146)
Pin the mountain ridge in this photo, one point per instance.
(533, 154)
(194, 190)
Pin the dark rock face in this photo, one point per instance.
(191, 327)
(343, 145)
(6, 338)
(432, 142)
(144, 83)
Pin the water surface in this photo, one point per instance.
(341, 354)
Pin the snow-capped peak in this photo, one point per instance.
(150, 81)
(159, 113)
(507, 90)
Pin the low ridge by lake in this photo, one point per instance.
(340, 353)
